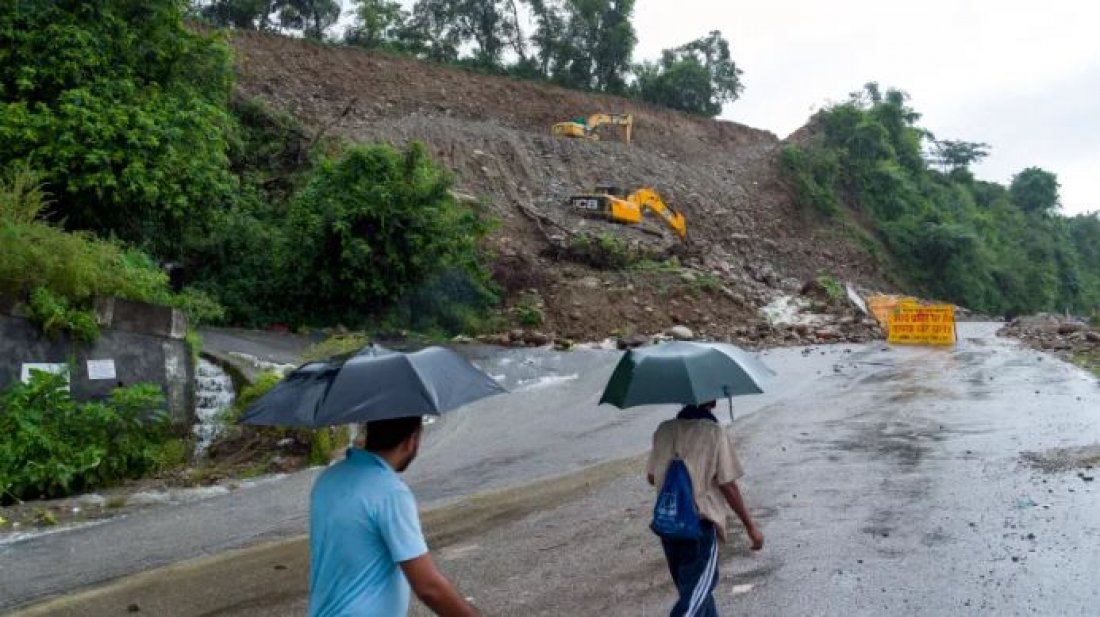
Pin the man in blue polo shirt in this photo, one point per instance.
(366, 547)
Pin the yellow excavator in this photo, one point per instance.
(615, 204)
(585, 128)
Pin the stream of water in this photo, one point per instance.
(213, 395)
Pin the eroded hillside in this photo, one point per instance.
(748, 240)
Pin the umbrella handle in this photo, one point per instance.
(729, 398)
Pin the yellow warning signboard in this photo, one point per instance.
(881, 306)
(913, 324)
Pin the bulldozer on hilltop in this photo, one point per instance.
(586, 128)
(615, 204)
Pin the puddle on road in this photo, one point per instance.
(1063, 459)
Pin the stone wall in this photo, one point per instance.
(144, 342)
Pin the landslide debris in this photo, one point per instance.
(749, 242)
(1068, 338)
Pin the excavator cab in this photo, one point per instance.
(615, 204)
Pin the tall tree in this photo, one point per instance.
(488, 26)
(378, 23)
(1035, 190)
(548, 36)
(433, 32)
(956, 154)
(312, 17)
(697, 77)
(598, 44)
(240, 14)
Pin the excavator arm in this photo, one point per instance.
(624, 120)
(650, 201)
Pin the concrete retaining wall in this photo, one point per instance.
(144, 342)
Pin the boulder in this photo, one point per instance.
(537, 339)
(1070, 328)
(681, 333)
(814, 289)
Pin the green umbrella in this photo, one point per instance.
(684, 373)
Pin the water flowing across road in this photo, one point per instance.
(550, 425)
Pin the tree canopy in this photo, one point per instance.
(697, 77)
(124, 109)
(582, 44)
(988, 247)
(1035, 190)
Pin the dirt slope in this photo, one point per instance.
(745, 231)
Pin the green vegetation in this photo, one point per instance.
(250, 393)
(123, 110)
(60, 273)
(337, 345)
(832, 287)
(528, 312)
(605, 251)
(581, 44)
(993, 249)
(124, 116)
(375, 225)
(53, 446)
(697, 77)
(813, 172)
(54, 316)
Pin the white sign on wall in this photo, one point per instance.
(50, 367)
(101, 369)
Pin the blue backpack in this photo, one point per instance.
(674, 514)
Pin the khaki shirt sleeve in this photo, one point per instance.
(660, 450)
(651, 465)
(729, 468)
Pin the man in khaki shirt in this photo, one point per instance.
(707, 451)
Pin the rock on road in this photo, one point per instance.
(887, 481)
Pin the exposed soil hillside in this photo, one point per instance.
(748, 240)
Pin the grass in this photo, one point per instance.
(1089, 360)
(116, 502)
(336, 345)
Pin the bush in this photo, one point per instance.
(605, 251)
(53, 446)
(55, 317)
(62, 272)
(125, 111)
(832, 287)
(250, 393)
(23, 195)
(374, 226)
(813, 173)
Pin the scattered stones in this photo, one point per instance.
(1067, 338)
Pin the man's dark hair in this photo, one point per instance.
(385, 435)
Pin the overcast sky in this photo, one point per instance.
(1021, 76)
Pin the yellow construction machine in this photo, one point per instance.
(615, 204)
(585, 128)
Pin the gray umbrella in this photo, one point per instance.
(684, 373)
(375, 384)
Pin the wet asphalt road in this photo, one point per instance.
(896, 484)
(888, 481)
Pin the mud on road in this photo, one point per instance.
(887, 481)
